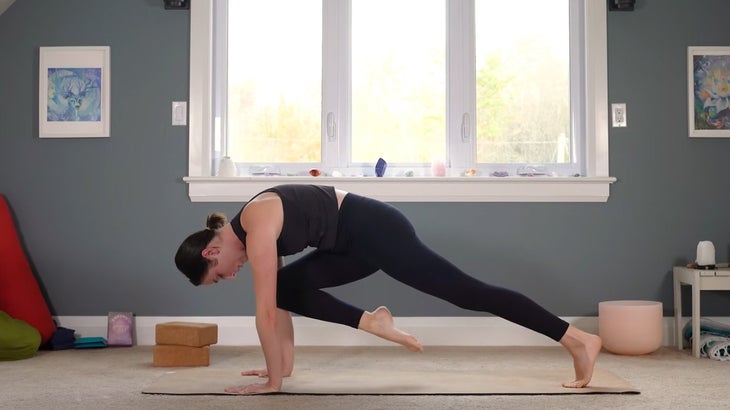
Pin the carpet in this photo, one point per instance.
(213, 381)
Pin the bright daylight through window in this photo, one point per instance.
(465, 100)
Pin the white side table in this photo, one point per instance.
(699, 280)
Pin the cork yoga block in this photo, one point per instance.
(180, 356)
(186, 334)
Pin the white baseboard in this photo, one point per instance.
(430, 331)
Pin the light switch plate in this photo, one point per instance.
(179, 113)
(618, 114)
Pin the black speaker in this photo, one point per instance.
(621, 5)
(177, 4)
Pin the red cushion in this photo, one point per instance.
(20, 296)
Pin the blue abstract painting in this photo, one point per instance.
(712, 92)
(74, 94)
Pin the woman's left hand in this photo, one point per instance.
(258, 388)
(261, 373)
(255, 372)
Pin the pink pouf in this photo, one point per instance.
(630, 327)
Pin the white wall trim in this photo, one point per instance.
(431, 331)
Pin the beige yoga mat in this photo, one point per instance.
(213, 381)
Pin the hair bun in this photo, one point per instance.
(216, 220)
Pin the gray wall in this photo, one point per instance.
(102, 218)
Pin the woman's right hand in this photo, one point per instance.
(258, 388)
(260, 373)
(255, 372)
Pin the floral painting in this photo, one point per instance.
(710, 91)
(74, 94)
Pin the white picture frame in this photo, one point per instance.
(74, 92)
(708, 80)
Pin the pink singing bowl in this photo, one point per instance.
(630, 327)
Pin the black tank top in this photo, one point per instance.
(310, 218)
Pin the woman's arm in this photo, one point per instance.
(285, 332)
(262, 221)
(266, 326)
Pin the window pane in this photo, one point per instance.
(523, 95)
(398, 80)
(274, 80)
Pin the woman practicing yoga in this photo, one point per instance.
(354, 237)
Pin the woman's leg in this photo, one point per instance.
(584, 348)
(300, 283)
(380, 323)
(387, 239)
(299, 287)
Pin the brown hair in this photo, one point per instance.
(189, 259)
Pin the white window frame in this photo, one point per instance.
(594, 187)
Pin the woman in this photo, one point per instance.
(355, 237)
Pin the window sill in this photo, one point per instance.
(416, 189)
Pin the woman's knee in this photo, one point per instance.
(286, 292)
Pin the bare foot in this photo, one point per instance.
(380, 323)
(584, 347)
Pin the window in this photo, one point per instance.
(322, 89)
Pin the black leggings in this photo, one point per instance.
(372, 236)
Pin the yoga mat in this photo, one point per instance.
(213, 381)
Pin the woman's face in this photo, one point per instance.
(225, 262)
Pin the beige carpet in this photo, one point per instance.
(114, 378)
(212, 381)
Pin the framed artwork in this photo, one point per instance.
(120, 329)
(73, 92)
(709, 91)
